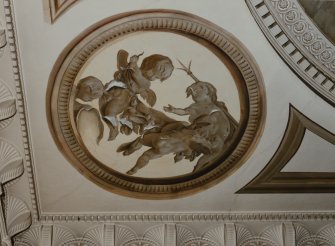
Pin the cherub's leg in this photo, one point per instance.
(144, 159)
(111, 122)
(113, 132)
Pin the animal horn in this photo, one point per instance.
(140, 54)
(188, 70)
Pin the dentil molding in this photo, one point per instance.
(299, 43)
(15, 216)
(47, 229)
(22, 114)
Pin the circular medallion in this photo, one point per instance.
(155, 104)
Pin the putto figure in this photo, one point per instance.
(120, 104)
(87, 90)
(209, 130)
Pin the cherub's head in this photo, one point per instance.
(202, 91)
(157, 67)
(89, 88)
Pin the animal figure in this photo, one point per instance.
(210, 126)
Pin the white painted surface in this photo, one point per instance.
(64, 190)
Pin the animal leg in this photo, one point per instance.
(131, 147)
(204, 161)
(143, 160)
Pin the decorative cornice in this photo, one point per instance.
(3, 39)
(18, 216)
(299, 42)
(190, 217)
(7, 106)
(273, 180)
(21, 103)
(14, 215)
(127, 217)
(11, 163)
(277, 234)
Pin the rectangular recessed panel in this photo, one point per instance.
(328, 84)
(289, 48)
(304, 64)
(275, 30)
(269, 20)
(320, 78)
(312, 71)
(297, 56)
(262, 10)
(282, 39)
(256, 2)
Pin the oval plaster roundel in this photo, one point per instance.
(155, 104)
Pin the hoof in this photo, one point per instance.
(132, 171)
(126, 152)
(113, 134)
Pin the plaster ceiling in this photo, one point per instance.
(61, 190)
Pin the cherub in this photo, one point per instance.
(87, 90)
(204, 104)
(210, 127)
(208, 115)
(129, 81)
(209, 119)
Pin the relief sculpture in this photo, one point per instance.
(126, 105)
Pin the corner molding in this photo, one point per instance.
(189, 217)
(21, 102)
(299, 43)
(272, 180)
(277, 234)
(57, 7)
(15, 216)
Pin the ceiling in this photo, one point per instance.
(54, 190)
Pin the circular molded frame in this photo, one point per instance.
(73, 58)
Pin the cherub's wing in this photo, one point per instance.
(90, 114)
(122, 59)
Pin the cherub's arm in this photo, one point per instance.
(178, 111)
(133, 61)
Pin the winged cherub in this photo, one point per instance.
(120, 103)
(208, 132)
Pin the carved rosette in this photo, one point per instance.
(74, 58)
